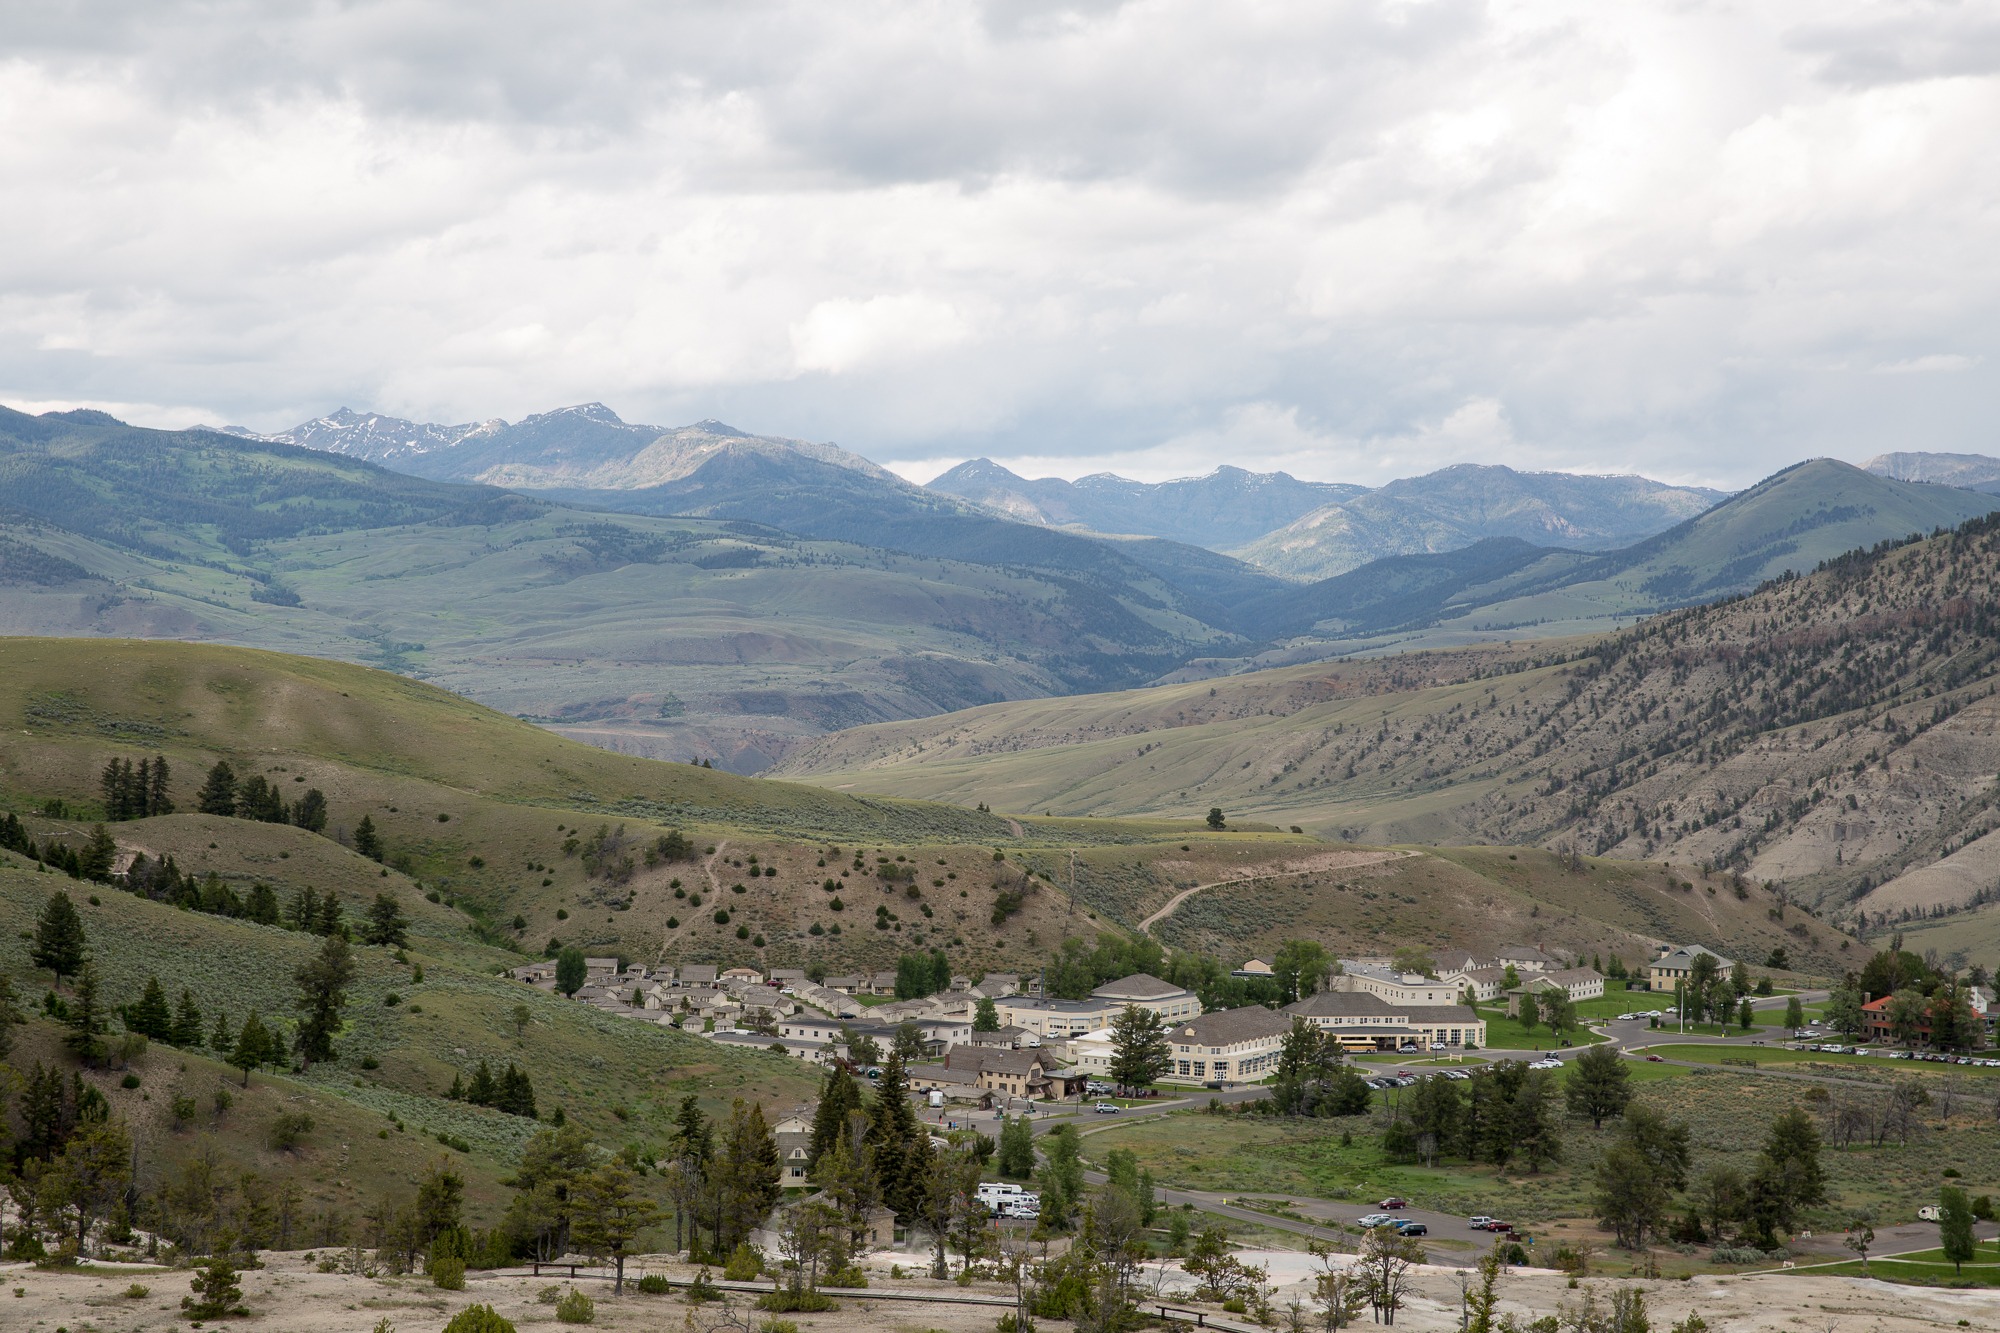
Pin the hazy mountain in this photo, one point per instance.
(1974, 472)
(1455, 507)
(1224, 509)
(583, 447)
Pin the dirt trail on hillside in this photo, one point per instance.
(1311, 865)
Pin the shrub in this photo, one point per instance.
(745, 1263)
(216, 1294)
(1736, 1254)
(478, 1319)
(804, 1301)
(779, 1326)
(1008, 1323)
(129, 1082)
(289, 1130)
(137, 1292)
(655, 1284)
(850, 1278)
(576, 1308)
(448, 1271)
(549, 1295)
(701, 1289)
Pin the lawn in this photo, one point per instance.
(1924, 1268)
(1508, 1034)
(1780, 1055)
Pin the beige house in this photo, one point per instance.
(1674, 966)
(1485, 983)
(1393, 986)
(1148, 992)
(1228, 1046)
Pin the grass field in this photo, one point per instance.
(1779, 1055)
(1926, 1268)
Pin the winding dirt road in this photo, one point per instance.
(1320, 864)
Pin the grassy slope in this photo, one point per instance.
(586, 1062)
(1474, 897)
(406, 754)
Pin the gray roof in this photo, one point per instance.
(1343, 1004)
(1138, 986)
(1225, 1027)
(1687, 953)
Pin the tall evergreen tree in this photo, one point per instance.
(516, 1093)
(480, 1090)
(323, 981)
(366, 840)
(221, 1038)
(900, 1142)
(98, 855)
(187, 1022)
(386, 923)
(218, 791)
(309, 811)
(839, 1096)
(255, 1046)
(158, 802)
(60, 943)
(150, 1017)
(302, 913)
(86, 1018)
(328, 922)
(262, 905)
(1140, 1051)
(571, 969)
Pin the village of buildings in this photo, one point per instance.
(1047, 1049)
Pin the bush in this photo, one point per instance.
(1737, 1254)
(478, 1319)
(289, 1130)
(549, 1295)
(850, 1278)
(744, 1265)
(1008, 1323)
(778, 1326)
(216, 1294)
(655, 1284)
(701, 1289)
(448, 1271)
(795, 1302)
(576, 1308)
(137, 1292)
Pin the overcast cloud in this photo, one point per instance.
(1356, 241)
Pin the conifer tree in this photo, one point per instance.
(218, 792)
(309, 811)
(150, 1017)
(220, 1038)
(323, 981)
(366, 840)
(157, 800)
(839, 1097)
(60, 943)
(480, 1090)
(187, 1022)
(328, 922)
(900, 1142)
(98, 855)
(262, 905)
(86, 1018)
(303, 911)
(386, 923)
(254, 1046)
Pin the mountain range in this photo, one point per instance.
(744, 596)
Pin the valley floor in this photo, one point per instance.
(290, 1296)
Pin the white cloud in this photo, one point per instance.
(1695, 240)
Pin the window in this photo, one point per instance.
(1183, 1067)
(1222, 1068)
(1201, 1069)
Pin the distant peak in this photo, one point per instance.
(588, 411)
(85, 416)
(710, 426)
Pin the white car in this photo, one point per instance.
(1375, 1220)
(1546, 1064)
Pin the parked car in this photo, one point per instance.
(1409, 1228)
(1478, 1221)
(1375, 1220)
(1928, 1213)
(1392, 1203)
(1657, 1059)
(1107, 1108)
(1214, 1085)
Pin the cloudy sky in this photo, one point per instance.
(1353, 240)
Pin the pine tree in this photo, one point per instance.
(517, 1093)
(986, 1016)
(218, 792)
(86, 1018)
(1140, 1051)
(98, 855)
(480, 1091)
(150, 1017)
(220, 1038)
(839, 1097)
(366, 841)
(262, 905)
(323, 981)
(303, 911)
(60, 944)
(328, 921)
(187, 1022)
(157, 800)
(254, 1046)
(309, 811)
(386, 923)
(901, 1144)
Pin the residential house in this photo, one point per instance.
(696, 974)
(1485, 983)
(1676, 965)
(1011, 1038)
(1228, 1046)
(1016, 1073)
(787, 976)
(1362, 1021)
(1524, 959)
(996, 984)
(794, 1138)
(1054, 1018)
(749, 975)
(1254, 970)
(846, 985)
(882, 983)
(957, 1085)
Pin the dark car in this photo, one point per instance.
(1393, 1203)
(1412, 1229)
